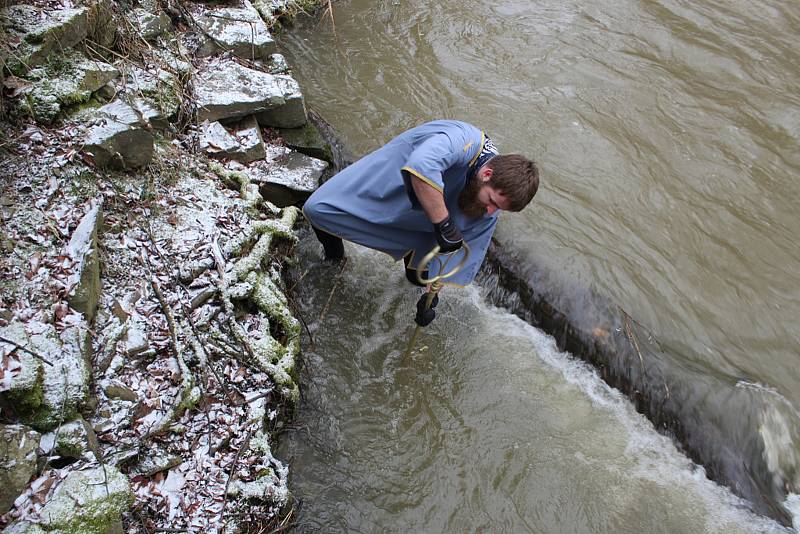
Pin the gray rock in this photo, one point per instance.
(41, 32)
(293, 180)
(135, 341)
(307, 140)
(216, 140)
(44, 395)
(225, 89)
(249, 140)
(82, 248)
(69, 81)
(237, 29)
(114, 389)
(24, 387)
(101, 28)
(121, 112)
(151, 25)
(118, 145)
(23, 527)
(18, 445)
(292, 114)
(275, 64)
(88, 501)
(73, 440)
(155, 95)
(155, 462)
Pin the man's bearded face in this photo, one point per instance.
(468, 199)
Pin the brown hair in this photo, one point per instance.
(516, 177)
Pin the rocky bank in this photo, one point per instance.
(152, 156)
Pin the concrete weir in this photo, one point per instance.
(715, 422)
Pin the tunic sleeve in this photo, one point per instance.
(428, 162)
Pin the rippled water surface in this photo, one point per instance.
(667, 134)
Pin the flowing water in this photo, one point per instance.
(667, 136)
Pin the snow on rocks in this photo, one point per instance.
(17, 461)
(151, 23)
(193, 340)
(67, 80)
(244, 144)
(82, 248)
(70, 440)
(45, 394)
(41, 32)
(239, 30)
(103, 493)
(292, 113)
(293, 180)
(118, 145)
(224, 89)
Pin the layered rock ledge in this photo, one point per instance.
(148, 344)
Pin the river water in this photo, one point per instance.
(667, 137)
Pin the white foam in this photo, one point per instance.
(656, 457)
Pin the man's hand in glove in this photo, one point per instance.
(448, 236)
(424, 317)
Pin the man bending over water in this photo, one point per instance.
(442, 183)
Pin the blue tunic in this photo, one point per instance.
(371, 204)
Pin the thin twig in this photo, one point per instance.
(245, 445)
(25, 349)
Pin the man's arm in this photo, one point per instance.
(431, 199)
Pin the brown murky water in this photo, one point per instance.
(667, 134)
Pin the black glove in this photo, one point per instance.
(424, 317)
(448, 236)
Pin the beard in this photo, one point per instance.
(468, 199)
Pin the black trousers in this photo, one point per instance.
(334, 250)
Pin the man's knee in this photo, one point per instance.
(311, 208)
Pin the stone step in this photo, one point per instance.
(224, 89)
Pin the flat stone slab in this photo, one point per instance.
(289, 179)
(118, 145)
(292, 114)
(251, 143)
(121, 112)
(41, 32)
(216, 141)
(225, 89)
(239, 30)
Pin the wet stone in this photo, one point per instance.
(307, 140)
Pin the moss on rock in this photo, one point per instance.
(101, 495)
